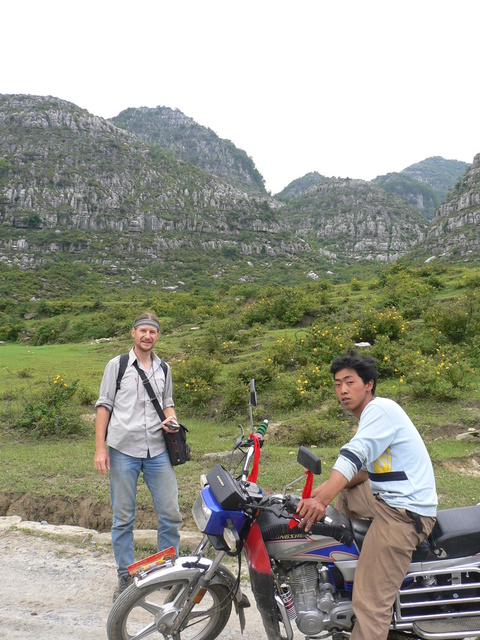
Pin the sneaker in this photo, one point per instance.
(123, 583)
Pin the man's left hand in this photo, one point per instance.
(170, 424)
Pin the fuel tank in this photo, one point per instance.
(329, 541)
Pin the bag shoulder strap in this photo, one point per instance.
(150, 391)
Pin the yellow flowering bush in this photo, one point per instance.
(438, 376)
(193, 379)
(51, 412)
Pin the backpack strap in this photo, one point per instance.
(121, 370)
(165, 368)
(123, 366)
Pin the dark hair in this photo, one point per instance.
(364, 366)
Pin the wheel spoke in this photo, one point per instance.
(144, 633)
(150, 612)
(151, 607)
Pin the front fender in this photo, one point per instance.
(191, 568)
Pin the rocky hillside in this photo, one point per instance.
(455, 228)
(75, 186)
(300, 185)
(355, 220)
(172, 130)
(73, 182)
(425, 184)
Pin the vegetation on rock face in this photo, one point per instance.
(188, 141)
(440, 174)
(74, 187)
(417, 193)
(425, 184)
(300, 185)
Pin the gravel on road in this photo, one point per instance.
(53, 588)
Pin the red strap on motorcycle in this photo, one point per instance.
(256, 457)
(307, 489)
(306, 493)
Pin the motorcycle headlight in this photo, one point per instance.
(201, 513)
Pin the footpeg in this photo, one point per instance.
(448, 628)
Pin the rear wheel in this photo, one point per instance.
(149, 612)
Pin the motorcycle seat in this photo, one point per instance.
(457, 531)
(360, 528)
(422, 553)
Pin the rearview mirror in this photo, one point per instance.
(253, 393)
(309, 460)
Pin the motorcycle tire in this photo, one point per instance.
(141, 612)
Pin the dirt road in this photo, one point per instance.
(56, 589)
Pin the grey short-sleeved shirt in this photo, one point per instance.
(135, 426)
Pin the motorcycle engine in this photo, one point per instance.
(318, 606)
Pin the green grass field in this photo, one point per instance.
(424, 327)
(61, 470)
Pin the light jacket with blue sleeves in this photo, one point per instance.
(388, 446)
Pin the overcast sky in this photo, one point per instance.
(353, 88)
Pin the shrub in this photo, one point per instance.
(325, 427)
(323, 432)
(193, 380)
(50, 412)
(458, 320)
(279, 306)
(322, 343)
(234, 399)
(439, 377)
(355, 285)
(373, 323)
(10, 328)
(389, 356)
(285, 352)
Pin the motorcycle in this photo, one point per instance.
(297, 579)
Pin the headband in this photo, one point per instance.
(146, 321)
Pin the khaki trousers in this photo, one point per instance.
(384, 559)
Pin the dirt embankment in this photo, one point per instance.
(82, 512)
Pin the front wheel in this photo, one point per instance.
(149, 612)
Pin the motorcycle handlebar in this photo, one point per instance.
(291, 503)
(262, 428)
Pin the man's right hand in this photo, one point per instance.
(102, 461)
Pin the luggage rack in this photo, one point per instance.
(443, 595)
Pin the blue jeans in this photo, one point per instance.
(161, 481)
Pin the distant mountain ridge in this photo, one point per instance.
(425, 184)
(355, 220)
(438, 173)
(75, 185)
(455, 228)
(190, 142)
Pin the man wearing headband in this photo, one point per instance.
(129, 424)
